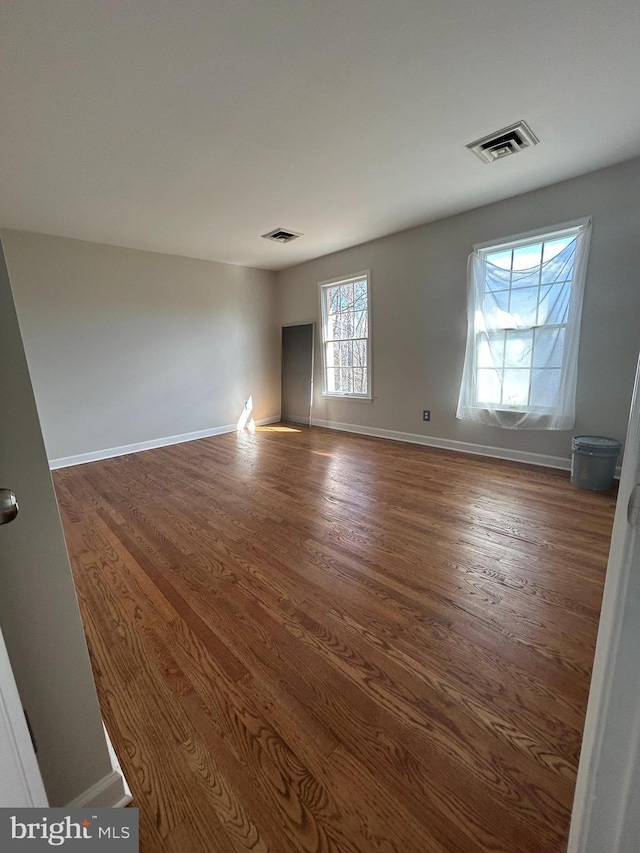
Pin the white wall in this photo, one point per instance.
(419, 312)
(125, 346)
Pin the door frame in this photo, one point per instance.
(21, 784)
(607, 782)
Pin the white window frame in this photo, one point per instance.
(323, 287)
(518, 241)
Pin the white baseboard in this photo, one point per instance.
(525, 456)
(294, 419)
(110, 452)
(115, 767)
(450, 444)
(110, 792)
(107, 793)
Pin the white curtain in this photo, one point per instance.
(523, 334)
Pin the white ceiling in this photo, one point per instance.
(193, 127)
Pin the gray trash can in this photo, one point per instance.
(593, 461)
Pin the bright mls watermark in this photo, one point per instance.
(69, 829)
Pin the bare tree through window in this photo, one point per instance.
(345, 310)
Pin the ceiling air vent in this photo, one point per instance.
(282, 235)
(504, 142)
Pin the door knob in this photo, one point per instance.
(8, 506)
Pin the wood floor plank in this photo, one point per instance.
(311, 641)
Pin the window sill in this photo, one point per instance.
(359, 397)
(515, 411)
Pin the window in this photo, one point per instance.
(345, 336)
(525, 300)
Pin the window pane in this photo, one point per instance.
(497, 278)
(549, 348)
(341, 326)
(340, 354)
(553, 247)
(360, 380)
(341, 381)
(545, 385)
(340, 298)
(360, 324)
(329, 354)
(500, 259)
(359, 357)
(496, 310)
(518, 349)
(347, 380)
(559, 266)
(488, 387)
(515, 389)
(554, 304)
(527, 257)
(333, 380)
(346, 297)
(529, 278)
(524, 305)
(333, 299)
(491, 350)
(560, 303)
(360, 295)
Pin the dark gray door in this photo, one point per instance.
(297, 373)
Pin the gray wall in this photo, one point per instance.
(38, 610)
(419, 312)
(126, 346)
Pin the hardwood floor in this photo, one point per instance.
(305, 640)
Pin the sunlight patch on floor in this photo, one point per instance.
(245, 419)
(276, 428)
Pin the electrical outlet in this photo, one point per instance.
(426, 414)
